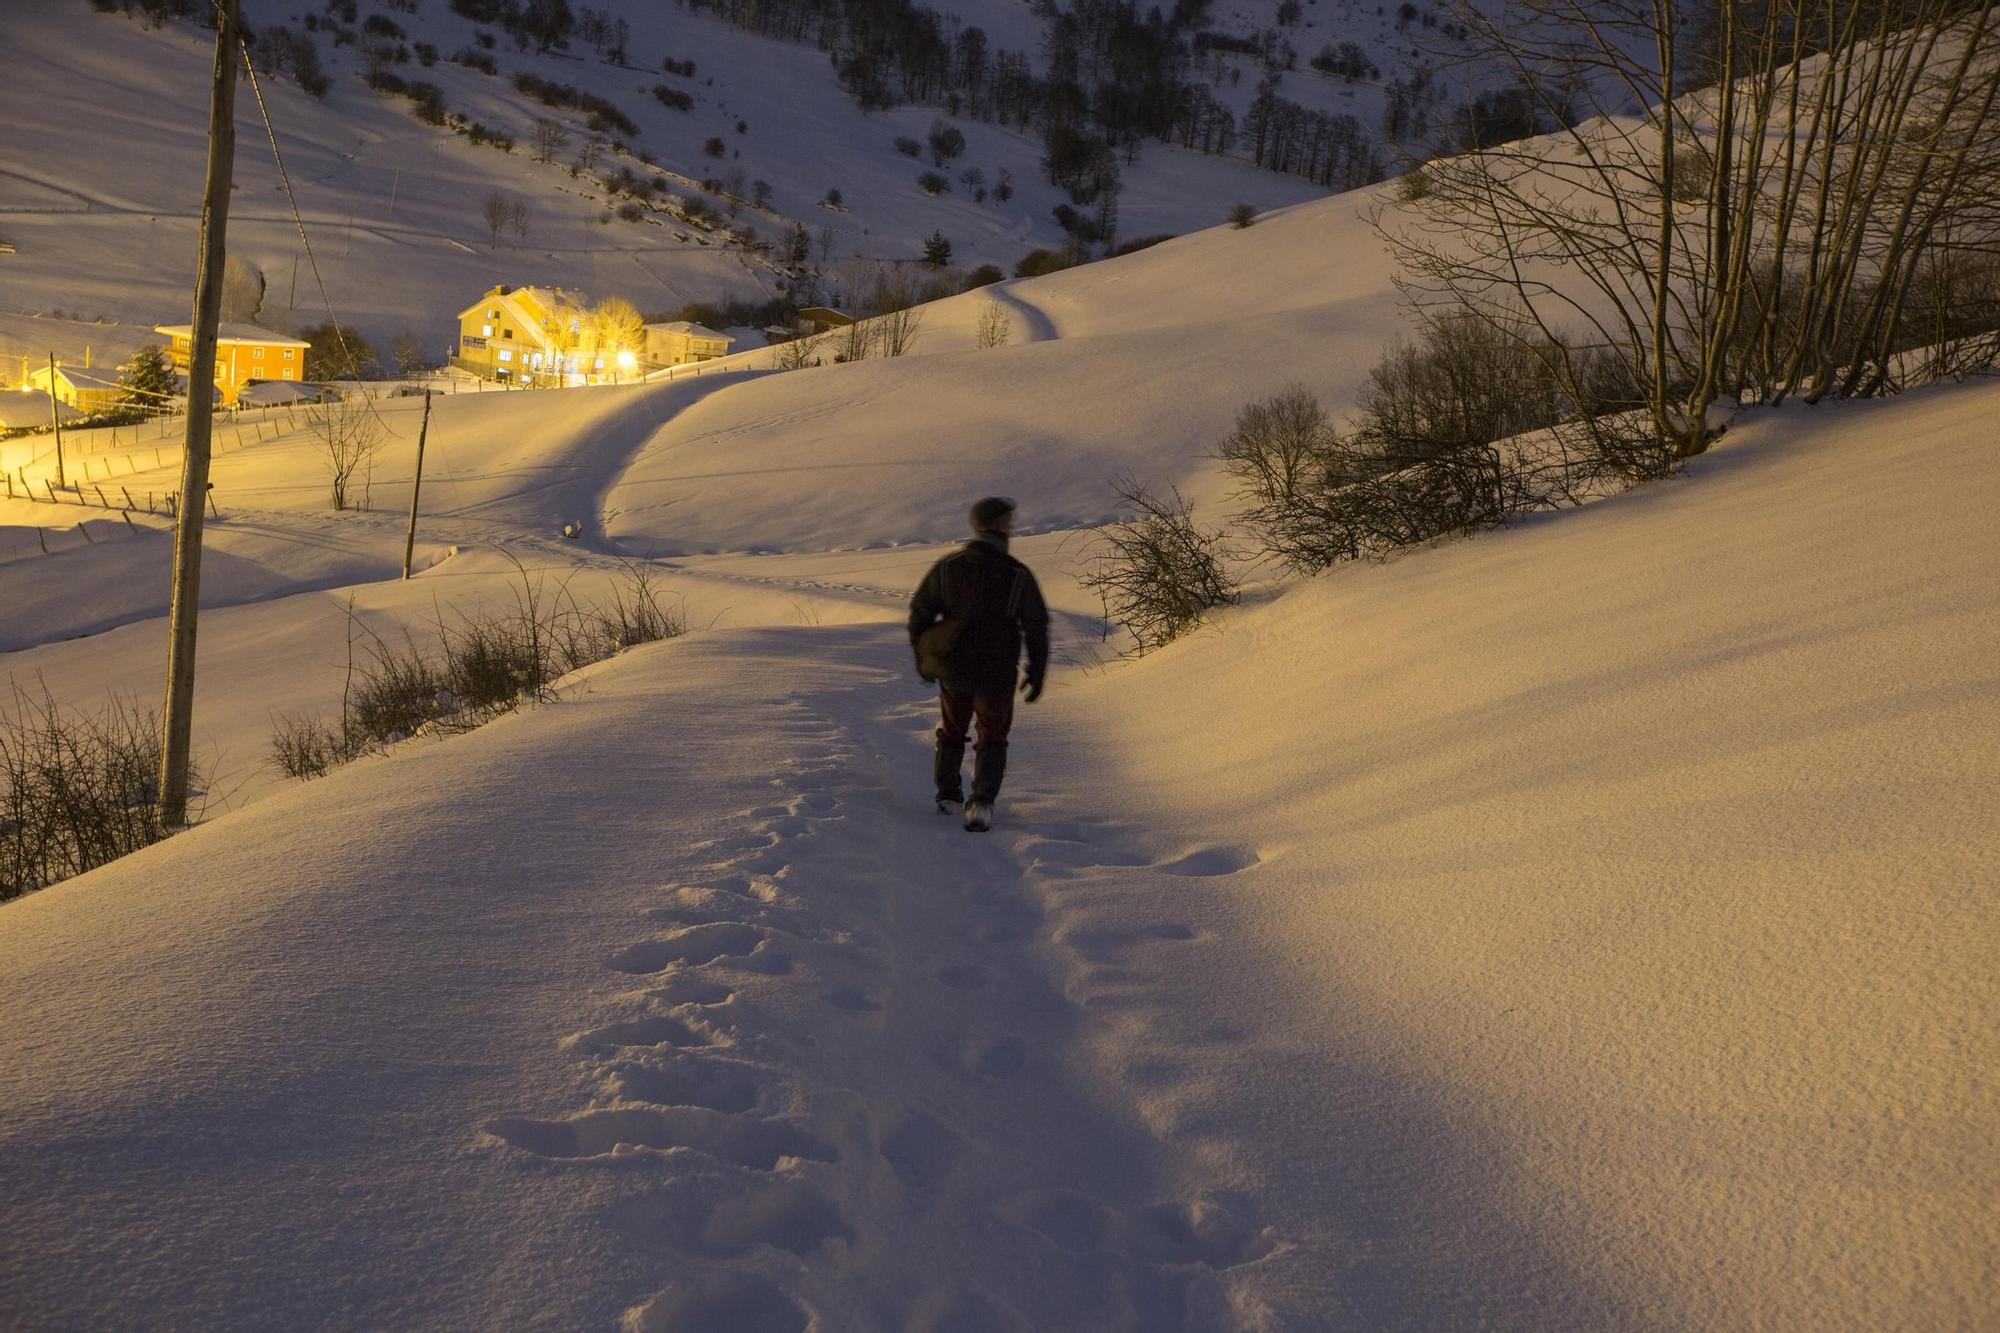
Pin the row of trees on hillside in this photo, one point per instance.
(1592, 305)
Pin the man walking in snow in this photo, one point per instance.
(970, 618)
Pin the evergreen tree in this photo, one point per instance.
(149, 379)
(937, 250)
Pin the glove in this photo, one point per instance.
(1032, 688)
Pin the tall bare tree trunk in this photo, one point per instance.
(177, 725)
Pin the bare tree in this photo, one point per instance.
(995, 327)
(550, 137)
(1755, 230)
(619, 328)
(496, 210)
(854, 341)
(798, 353)
(517, 218)
(1278, 447)
(348, 435)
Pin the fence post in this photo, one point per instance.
(128, 499)
(40, 538)
(213, 511)
(101, 501)
(83, 526)
(127, 516)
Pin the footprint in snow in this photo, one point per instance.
(756, 1144)
(715, 1085)
(681, 988)
(735, 1302)
(693, 946)
(659, 1030)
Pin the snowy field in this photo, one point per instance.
(1584, 926)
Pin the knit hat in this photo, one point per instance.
(990, 513)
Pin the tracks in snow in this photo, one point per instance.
(855, 1081)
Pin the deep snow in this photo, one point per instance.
(1583, 926)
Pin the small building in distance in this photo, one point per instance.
(88, 390)
(243, 353)
(820, 318)
(521, 335)
(682, 342)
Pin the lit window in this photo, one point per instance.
(599, 364)
(486, 330)
(506, 354)
(290, 373)
(256, 354)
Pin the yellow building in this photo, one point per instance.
(531, 335)
(243, 353)
(681, 342)
(89, 390)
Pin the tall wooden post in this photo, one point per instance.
(177, 727)
(55, 420)
(416, 487)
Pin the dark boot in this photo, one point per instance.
(987, 770)
(945, 772)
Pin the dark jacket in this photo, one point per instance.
(998, 606)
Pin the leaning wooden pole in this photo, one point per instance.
(55, 422)
(177, 726)
(416, 488)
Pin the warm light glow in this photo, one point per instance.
(627, 361)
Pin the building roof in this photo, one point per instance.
(825, 314)
(548, 298)
(235, 332)
(95, 377)
(692, 330)
(28, 411)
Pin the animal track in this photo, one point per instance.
(757, 1144)
(695, 945)
(736, 1302)
(712, 1084)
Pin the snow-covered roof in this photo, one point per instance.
(691, 329)
(235, 332)
(25, 411)
(275, 393)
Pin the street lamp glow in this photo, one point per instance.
(627, 361)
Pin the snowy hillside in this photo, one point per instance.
(101, 209)
(1582, 926)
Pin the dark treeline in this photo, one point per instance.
(1115, 76)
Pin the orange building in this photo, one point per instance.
(243, 353)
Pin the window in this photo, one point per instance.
(290, 373)
(256, 354)
(506, 354)
(289, 351)
(493, 314)
(486, 330)
(599, 365)
(506, 333)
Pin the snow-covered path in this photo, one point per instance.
(744, 1035)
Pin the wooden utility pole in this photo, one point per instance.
(177, 726)
(55, 420)
(416, 487)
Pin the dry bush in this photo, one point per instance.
(475, 668)
(1160, 573)
(76, 790)
(995, 327)
(348, 435)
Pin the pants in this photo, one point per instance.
(994, 714)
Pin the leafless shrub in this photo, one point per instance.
(348, 435)
(76, 790)
(476, 667)
(1159, 573)
(797, 353)
(896, 332)
(995, 327)
(854, 340)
